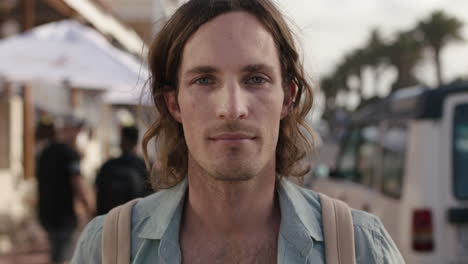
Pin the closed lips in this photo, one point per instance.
(232, 136)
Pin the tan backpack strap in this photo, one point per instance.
(116, 238)
(338, 231)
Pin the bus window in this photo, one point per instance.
(367, 156)
(393, 160)
(460, 152)
(357, 161)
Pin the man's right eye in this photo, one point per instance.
(204, 81)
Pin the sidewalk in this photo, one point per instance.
(29, 243)
(30, 246)
(32, 257)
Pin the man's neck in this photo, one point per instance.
(128, 152)
(231, 208)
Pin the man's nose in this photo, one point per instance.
(232, 102)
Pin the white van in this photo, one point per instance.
(405, 159)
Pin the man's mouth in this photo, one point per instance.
(232, 136)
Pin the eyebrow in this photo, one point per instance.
(258, 67)
(249, 68)
(202, 69)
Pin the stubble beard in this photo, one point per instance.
(238, 169)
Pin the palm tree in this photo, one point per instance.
(405, 52)
(352, 66)
(330, 90)
(341, 76)
(329, 87)
(358, 61)
(375, 58)
(438, 30)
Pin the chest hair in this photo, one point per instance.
(249, 252)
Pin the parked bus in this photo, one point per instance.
(405, 159)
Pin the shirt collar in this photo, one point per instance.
(300, 209)
(300, 222)
(300, 213)
(164, 210)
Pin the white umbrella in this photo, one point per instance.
(129, 96)
(69, 51)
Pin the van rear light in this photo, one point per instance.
(423, 237)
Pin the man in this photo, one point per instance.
(232, 98)
(59, 182)
(124, 178)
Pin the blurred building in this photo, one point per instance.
(137, 14)
(128, 25)
(122, 16)
(19, 15)
(21, 104)
(144, 16)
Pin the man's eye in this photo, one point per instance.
(256, 80)
(204, 81)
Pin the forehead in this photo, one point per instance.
(230, 40)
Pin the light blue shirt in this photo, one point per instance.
(156, 220)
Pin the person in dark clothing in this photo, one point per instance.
(124, 178)
(59, 183)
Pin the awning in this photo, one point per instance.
(107, 24)
(67, 50)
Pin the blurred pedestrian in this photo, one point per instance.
(59, 184)
(124, 178)
(45, 132)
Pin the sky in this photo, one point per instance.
(328, 29)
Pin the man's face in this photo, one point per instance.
(230, 98)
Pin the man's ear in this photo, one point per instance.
(289, 95)
(172, 105)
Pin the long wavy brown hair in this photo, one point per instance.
(295, 140)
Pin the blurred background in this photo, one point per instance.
(391, 108)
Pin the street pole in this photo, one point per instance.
(29, 14)
(6, 94)
(28, 126)
(29, 20)
(5, 133)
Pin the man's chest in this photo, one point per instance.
(226, 252)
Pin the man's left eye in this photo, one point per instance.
(255, 80)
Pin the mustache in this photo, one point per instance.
(232, 126)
